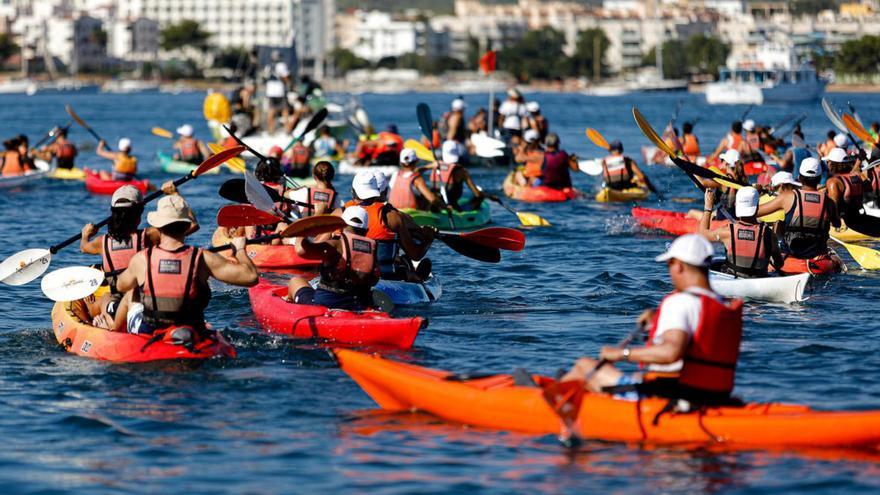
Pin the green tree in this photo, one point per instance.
(588, 44)
(859, 56)
(538, 55)
(8, 47)
(184, 33)
(345, 60)
(811, 7)
(674, 61)
(705, 54)
(230, 58)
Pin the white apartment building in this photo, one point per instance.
(133, 40)
(375, 35)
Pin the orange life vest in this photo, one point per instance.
(377, 229)
(229, 142)
(12, 164)
(117, 254)
(748, 253)
(734, 140)
(388, 143)
(355, 270)
(124, 164)
(691, 146)
(709, 362)
(172, 294)
(403, 194)
(617, 172)
(189, 150)
(534, 163)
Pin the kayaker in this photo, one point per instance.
(536, 121)
(188, 148)
(13, 164)
(693, 341)
(847, 188)
(731, 140)
(322, 196)
(392, 230)
(750, 147)
(409, 189)
(326, 146)
(297, 161)
(365, 147)
(795, 155)
(872, 173)
(62, 150)
(531, 155)
(455, 122)
(448, 178)
(825, 147)
(277, 77)
(349, 267)
(124, 164)
(389, 144)
(268, 172)
(809, 214)
(618, 170)
(122, 241)
(167, 285)
(690, 145)
(513, 115)
(751, 245)
(25, 152)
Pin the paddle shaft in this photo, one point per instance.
(315, 122)
(255, 240)
(50, 135)
(623, 343)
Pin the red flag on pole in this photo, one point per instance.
(487, 62)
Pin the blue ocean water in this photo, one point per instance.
(283, 419)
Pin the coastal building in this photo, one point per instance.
(133, 40)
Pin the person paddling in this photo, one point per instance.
(62, 150)
(124, 164)
(731, 140)
(690, 145)
(349, 267)
(13, 163)
(167, 284)
(693, 338)
(620, 171)
(409, 189)
(750, 244)
(847, 188)
(188, 148)
(531, 155)
(448, 179)
(322, 196)
(751, 145)
(809, 213)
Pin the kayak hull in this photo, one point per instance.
(537, 194)
(495, 402)
(43, 169)
(670, 222)
(171, 166)
(787, 289)
(95, 185)
(82, 339)
(404, 293)
(608, 195)
(463, 219)
(265, 256)
(67, 174)
(276, 315)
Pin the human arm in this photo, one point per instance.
(88, 245)
(103, 152)
(427, 193)
(705, 229)
(397, 224)
(133, 275)
(670, 349)
(778, 203)
(241, 272)
(641, 175)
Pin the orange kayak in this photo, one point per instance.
(267, 257)
(495, 402)
(820, 265)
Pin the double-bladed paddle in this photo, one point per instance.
(313, 124)
(27, 265)
(82, 123)
(51, 135)
(426, 125)
(244, 216)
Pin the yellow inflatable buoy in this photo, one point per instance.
(216, 107)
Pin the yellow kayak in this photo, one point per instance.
(607, 195)
(67, 174)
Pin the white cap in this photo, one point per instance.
(780, 178)
(408, 156)
(810, 167)
(730, 157)
(749, 125)
(746, 202)
(381, 181)
(364, 185)
(124, 144)
(692, 249)
(836, 155)
(533, 107)
(356, 216)
(458, 104)
(840, 140)
(126, 196)
(451, 153)
(531, 135)
(185, 130)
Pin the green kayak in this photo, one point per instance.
(171, 166)
(463, 219)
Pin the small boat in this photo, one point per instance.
(67, 174)
(608, 195)
(783, 289)
(95, 184)
(176, 167)
(462, 219)
(43, 169)
(404, 293)
(266, 256)
(537, 194)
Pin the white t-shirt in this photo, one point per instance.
(680, 311)
(324, 146)
(302, 195)
(275, 86)
(513, 112)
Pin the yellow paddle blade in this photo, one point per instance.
(867, 258)
(236, 164)
(648, 131)
(857, 129)
(532, 220)
(165, 133)
(725, 183)
(597, 139)
(776, 216)
(421, 150)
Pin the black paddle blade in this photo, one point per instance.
(472, 250)
(695, 169)
(242, 143)
(233, 190)
(317, 120)
(426, 122)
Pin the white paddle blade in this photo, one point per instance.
(25, 266)
(71, 283)
(482, 140)
(590, 167)
(257, 194)
(484, 152)
(361, 115)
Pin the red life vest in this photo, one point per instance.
(388, 143)
(617, 171)
(118, 254)
(356, 268)
(65, 152)
(377, 229)
(874, 179)
(172, 294)
(402, 194)
(852, 189)
(229, 142)
(322, 199)
(189, 150)
(443, 174)
(748, 253)
(12, 164)
(709, 362)
(301, 155)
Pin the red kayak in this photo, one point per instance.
(277, 315)
(96, 185)
(671, 222)
(537, 194)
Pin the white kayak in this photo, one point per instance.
(409, 293)
(346, 167)
(43, 169)
(787, 289)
